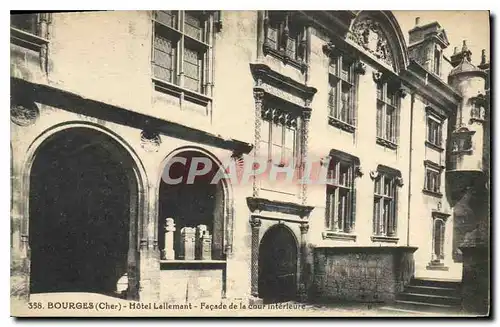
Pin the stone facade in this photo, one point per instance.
(260, 70)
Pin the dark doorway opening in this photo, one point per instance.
(278, 266)
(80, 212)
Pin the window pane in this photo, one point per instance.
(289, 142)
(344, 172)
(380, 91)
(346, 71)
(194, 25)
(345, 103)
(376, 216)
(192, 69)
(380, 110)
(167, 17)
(343, 209)
(25, 22)
(386, 215)
(332, 97)
(291, 47)
(378, 184)
(164, 59)
(272, 36)
(333, 66)
(389, 123)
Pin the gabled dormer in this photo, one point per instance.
(426, 45)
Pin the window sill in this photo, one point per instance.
(432, 193)
(340, 124)
(282, 56)
(26, 39)
(339, 236)
(385, 239)
(387, 143)
(462, 152)
(477, 120)
(176, 90)
(434, 146)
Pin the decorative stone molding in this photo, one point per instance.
(402, 93)
(255, 223)
(378, 77)
(399, 181)
(374, 174)
(358, 172)
(304, 228)
(150, 141)
(260, 204)
(359, 68)
(24, 114)
(369, 34)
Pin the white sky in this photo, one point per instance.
(472, 26)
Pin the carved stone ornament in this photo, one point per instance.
(359, 68)
(150, 141)
(399, 181)
(373, 174)
(358, 171)
(402, 93)
(369, 35)
(378, 77)
(24, 114)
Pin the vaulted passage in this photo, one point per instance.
(278, 265)
(82, 201)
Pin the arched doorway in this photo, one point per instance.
(83, 215)
(278, 265)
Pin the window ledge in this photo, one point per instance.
(331, 235)
(434, 146)
(477, 120)
(27, 39)
(176, 90)
(385, 239)
(432, 193)
(462, 152)
(287, 60)
(387, 143)
(340, 124)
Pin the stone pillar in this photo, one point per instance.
(258, 93)
(187, 248)
(168, 249)
(304, 275)
(255, 223)
(306, 117)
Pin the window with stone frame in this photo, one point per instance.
(434, 131)
(387, 115)
(285, 37)
(342, 92)
(385, 203)
(438, 235)
(432, 182)
(25, 22)
(279, 134)
(341, 193)
(182, 49)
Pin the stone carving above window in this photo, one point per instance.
(369, 34)
(150, 141)
(24, 114)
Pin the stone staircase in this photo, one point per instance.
(427, 297)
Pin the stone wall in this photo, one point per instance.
(361, 274)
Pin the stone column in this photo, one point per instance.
(306, 117)
(168, 249)
(258, 93)
(255, 223)
(304, 275)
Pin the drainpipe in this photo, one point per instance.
(410, 152)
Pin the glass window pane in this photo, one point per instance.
(194, 25)
(192, 69)
(380, 110)
(291, 48)
(346, 71)
(332, 97)
(272, 36)
(167, 17)
(332, 69)
(376, 216)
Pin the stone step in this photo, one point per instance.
(426, 307)
(431, 290)
(431, 299)
(455, 285)
(394, 311)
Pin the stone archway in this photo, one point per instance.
(278, 257)
(84, 205)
